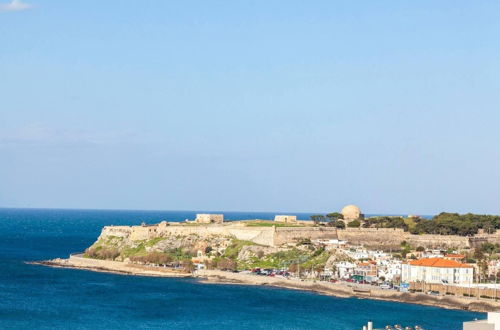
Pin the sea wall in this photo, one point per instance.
(458, 291)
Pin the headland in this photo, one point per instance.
(343, 261)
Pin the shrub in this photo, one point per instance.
(226, 264)
(354, 224)
(102, 253)
(187, 265)
(340, 224)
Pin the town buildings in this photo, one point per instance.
(437, 270)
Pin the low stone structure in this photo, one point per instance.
(286, 218)
(209, 218)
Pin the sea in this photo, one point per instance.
(38, 297)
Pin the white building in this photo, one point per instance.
(437, 270)
(357, 253)
(345, 269)
(389, 269)
(492, 323)
(330, 243)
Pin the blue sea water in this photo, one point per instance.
(37, 297)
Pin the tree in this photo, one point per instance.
(293, 268)
(188, 265)
(317, 218)
(334, 216)
(340, 224)
(226, 264)
(208, 249)
(420, 248)
(354, 224)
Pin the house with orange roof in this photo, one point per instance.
(437, 270)
(454, 256)
(366, 270)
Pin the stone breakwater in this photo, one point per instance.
(108, 266)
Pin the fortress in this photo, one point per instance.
(289, 230)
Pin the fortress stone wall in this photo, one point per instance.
(269, 236)
(293, 234)
(376, 238)
(391, 238)
(381, 238)
(259, 235)
(438, 241)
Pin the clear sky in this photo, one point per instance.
(251, 105)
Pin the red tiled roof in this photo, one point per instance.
(438, 262)
(456, 256)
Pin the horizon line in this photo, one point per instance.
(172, 210)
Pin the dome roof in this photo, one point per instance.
(351, 212)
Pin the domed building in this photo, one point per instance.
(351, 212)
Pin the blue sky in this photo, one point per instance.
(250, 105)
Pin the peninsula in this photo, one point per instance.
(342, 254)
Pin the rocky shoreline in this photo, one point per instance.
(325, 288)
(107, 266)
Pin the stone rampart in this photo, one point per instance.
(293, 234)
(376, 238)
(259, 235)
(438, 241)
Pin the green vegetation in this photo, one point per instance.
(317, 260)
(405, 248)
(157, 258)
(281, 259)
(153, 241)
(340, 224)
(489, 248)
(386, 222)
(456, 224)
(332, 218)
(442, 224)
(317, 218)
(102, 253)
(129, 251)
(354, 224)
(234, 249)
